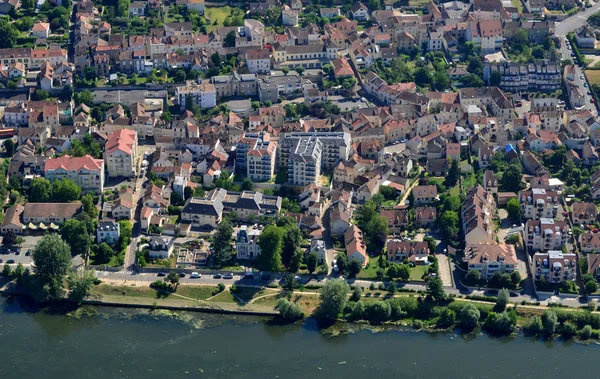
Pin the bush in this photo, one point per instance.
(381, 287)
(288, 310)
(447, 318)
(356, 293)
(234, 288)
(417, 324)
(158, 285)
(568, 329)
(534, 326)
(586, 332)
(392, 288)
(469, 316)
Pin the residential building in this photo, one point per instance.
(204, 94)
(397, 219)
(160, 247)
(235, 85)
(489, 258)
(261, 161)
(485, 34)
(86, 172)
(585, 37)
(246, 243)
(360, 11)
(425, 217)
(258, 60)
(41, 30)
(542, 75)
(589, 242)
(545, 234)
(424, 194)
(539, 203)
(108, 231)
(38, 216)
(355, 247)
(477, 215)
(399, 251)
(554, 266)
(120, 154)
(584, 213)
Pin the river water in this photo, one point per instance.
(130, 344)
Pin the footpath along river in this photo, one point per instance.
(124, 343)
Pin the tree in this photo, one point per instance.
(19, 272)
(469, 317)
(342, 263)
(8, 34)
(41, 94)
(502, 300)
(515, 278)
(229, 40)
(223, 250)
(449, 225)
(354, 268)
(80, 285)
(358, 311)
(104, 253)
(51, 259)
(475, 66)
(374, 5)
(288, 310)
(495, 78)
(356, 293)
(514, 209)
(74, 232)
(299, 70)
(334, 297)
(65, 190)
(401, 272)
(535, 325)
(589, 282)
(7, 271)
(40, 190)
(472, 277)
(84, 97)
(291, 239)
(453, 174)
(435, 289)
(247, 185)
(66, 93)
(9, 146)
(89, 207)
(179, 76)
(441, 80)
(122, 8)
(549, 321)
(511, 179)
(422, 76)
(271, 246)
(173, 279)
(296, 261)
(447, 318)
(9, 238)
(452, 203)
(500, 280)
(311, 261)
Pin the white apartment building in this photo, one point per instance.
(86, 172)
(538, 203)
(491, 258)
(203, 94)
(261, 161)
(545, 234)
(246, 244)
(258, 60)
(554, 266)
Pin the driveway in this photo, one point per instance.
(444, 270)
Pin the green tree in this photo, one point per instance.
(535, 325)
(84, 97)
(65, 190)
(448, 223)
(356, 293)
(374, 5)
(80, 285)
(514, 209)
(7, 271)
(549, 321)
(334, 297)
(74, 232)
(41, 94)
(19, 272)
(173, 279)
(51, 260)
(469, 317)
(358, 311)
(495, 78)
(453, 174)
(8, 34)
(89, 207)
(247, 185)
(473, 277)
(103, 253)
(354, 268)
(299, 70)
(291, 239)
(271, 246)
(447, 318)
(179, 76)
(229, 40)
(289, 310)
(502, 300)
(342, 263)
(9, 238)
(435, 289)
(312, 259)
(40, 190)
(511, 179)
(9, 146)
(223, 249)
(423, 76)
(515, 278)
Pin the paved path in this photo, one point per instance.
(579, 19)
(444, 270)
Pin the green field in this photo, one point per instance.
(219, 14)
(593, 76)
(518, 4)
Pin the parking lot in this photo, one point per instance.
(16, 255)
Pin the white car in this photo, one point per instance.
(195, 275)
(581, 77)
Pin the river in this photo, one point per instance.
(129, 344)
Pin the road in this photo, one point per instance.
(561, 30)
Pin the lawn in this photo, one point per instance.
(104, 289)
(593, 76)
(196, 292)
(217, 13)
(223, 297)
(417, 272)
(518, 4)
(369, 272)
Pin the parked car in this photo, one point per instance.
(161, 274)
(217, 276)
(182, 274)
(228, 276)
(195, 275)
(10, 261)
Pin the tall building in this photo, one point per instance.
(554, 266)
(305, 154)
(545, 234)
(246, 244)
(120, 153)
(261, 161)
(203, 94)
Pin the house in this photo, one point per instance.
(584, 213)
(122, 208)
(339, 217)
(414, 252)
(317, 246)
(489, 258)
(203, 95)
(360, 12)
(86, 172)
(593, 262)
(355, 247)
(554, 266)
(490, 181)
(545, 234)
(107, 231)
(585, 37)
(38, 216)
(589, 243)
(41, 30)
(160, 247)
(246, 243)
(120, 154)
(425, 217)
(137, 9)
(258, 60)
(477, 215)
(342, 69)
(485, 34)
(146, 217)
(330, 12)
(485, 155)
(424, 194)
(397, 219)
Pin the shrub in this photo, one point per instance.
(288, 310)
(417, 324)
(586, 332)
